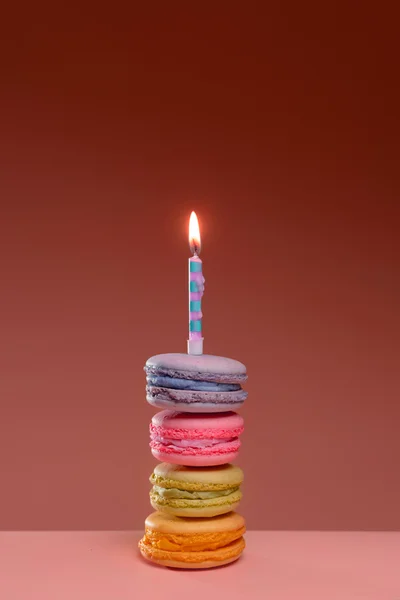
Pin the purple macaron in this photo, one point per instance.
(197, 384)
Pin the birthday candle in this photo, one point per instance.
(196, 289)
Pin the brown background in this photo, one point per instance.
(280, 128)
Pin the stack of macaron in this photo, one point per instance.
(196, 437)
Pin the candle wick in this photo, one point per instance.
(195, 248)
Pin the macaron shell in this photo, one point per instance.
(194, 407)
(157, 525)
(194, 460)
(205, 565)
(201, 479)
(204, 367)
(195, 401)
(206, 511)
(180, 425)
(194, 560)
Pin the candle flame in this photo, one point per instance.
(194, 234)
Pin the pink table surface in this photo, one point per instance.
(276, 565)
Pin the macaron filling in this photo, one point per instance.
(193, 443)
(176, 383)
(197, 503)
(175, 493)
(202, 446)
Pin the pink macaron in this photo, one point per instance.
(197, 440)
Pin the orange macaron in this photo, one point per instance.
(193, 543)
